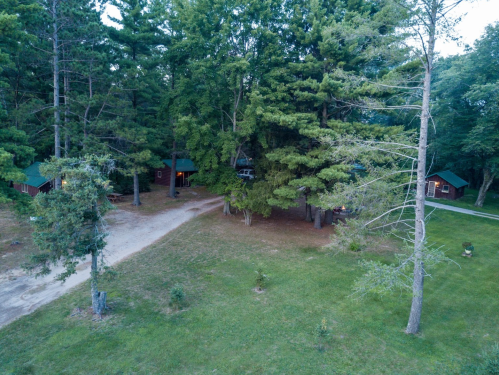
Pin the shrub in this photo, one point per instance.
(355, 246)
(261, 279)
(177, 296)
(321, 332)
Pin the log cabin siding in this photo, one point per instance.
(32, 191)
(165, 176)
(453, 192)
(162, 177)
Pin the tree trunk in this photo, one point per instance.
(488, 178)
(248, 215)
(328, 217)
(57, 115)
(87, 110)
(417, 299)
(419, 235)
(226, 209)
(308, 213)
(324, 115)
(67, 137)
(136, 196)
(317, 221)
(98, 298)
(173, 174)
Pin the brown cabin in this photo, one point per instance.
(36, 183)
(445, 185)
(184, 169)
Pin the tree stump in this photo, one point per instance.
(99, 303)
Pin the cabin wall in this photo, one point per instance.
(165, 176)
(180, 180)
(452, 194)
(32, 191)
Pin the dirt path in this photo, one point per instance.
(129, 233)
(461, 210)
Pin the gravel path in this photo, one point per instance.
(461, 210)
(129, 233)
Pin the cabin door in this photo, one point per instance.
(431, 189)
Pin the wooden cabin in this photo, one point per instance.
(185, 168)
(445, 185)
(36, 183)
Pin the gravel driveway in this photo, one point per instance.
(129, 233)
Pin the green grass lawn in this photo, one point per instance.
(227, 328)
(491, 204)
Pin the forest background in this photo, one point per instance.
(216, 81)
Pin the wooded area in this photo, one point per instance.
(224, 79)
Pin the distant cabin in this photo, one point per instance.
(445, 185)
(185, 169)
(36, 182)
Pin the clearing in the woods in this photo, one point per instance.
(225, 327)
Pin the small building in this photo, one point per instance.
(445, 185)
(185, 168)
(36, 182)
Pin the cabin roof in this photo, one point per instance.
(183, 165)
(451, 178)
(34, 177)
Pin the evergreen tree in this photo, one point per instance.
(72, 224)
(140, 85)
(467, 111)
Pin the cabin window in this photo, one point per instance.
(24, 188)
(445, 189)
(160, 174)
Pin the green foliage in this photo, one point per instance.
(467, 109)
(109, 273)
(252, 197)
(71, 224)
(22, 203)
(355, 246)
(123, 184)
(261, 280)
(321, 332)
(381, 279)
(177, 296)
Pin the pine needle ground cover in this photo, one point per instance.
(225, 327)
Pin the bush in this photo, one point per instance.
(177, 296)
(490, 362)
(261, 279)
(355, 246)
(321, 332)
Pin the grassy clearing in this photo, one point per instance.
(491, 204)
(227, 328)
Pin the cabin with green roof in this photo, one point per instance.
(184, 169)
(35, 183)
(445, 185)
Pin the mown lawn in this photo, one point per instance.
(227, 328)
(490, 206)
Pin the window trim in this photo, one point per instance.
(24, 188)
(160, 174)
(444, 190)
